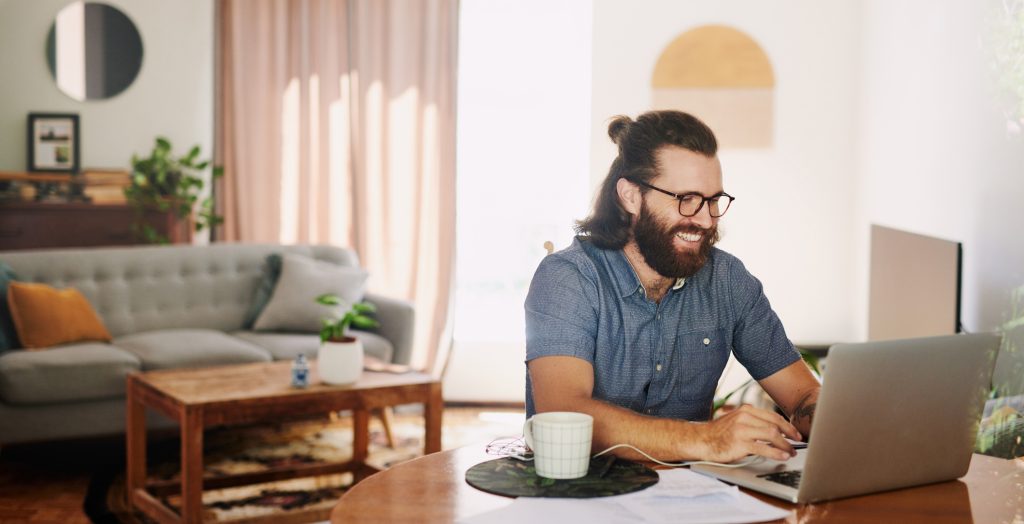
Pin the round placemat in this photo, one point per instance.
(515, 478)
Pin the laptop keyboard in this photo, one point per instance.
(788, 478)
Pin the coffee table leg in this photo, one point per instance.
(360, 442)
(432, 415)
(135, 441)
(361, 435)
(192, 466)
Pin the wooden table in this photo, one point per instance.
(433, 489)
(200, 398)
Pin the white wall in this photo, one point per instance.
(936, 156)
(172, 95)
(885, 113)
(793, 220)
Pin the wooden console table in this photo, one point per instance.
(38, 225)
(200, 398)
(32, 224)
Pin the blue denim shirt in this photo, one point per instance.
(661, 359)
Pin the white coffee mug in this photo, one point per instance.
(560, 441)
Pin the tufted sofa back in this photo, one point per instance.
(138, 289)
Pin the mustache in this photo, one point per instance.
(691, 228)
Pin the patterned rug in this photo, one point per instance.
(229, 451)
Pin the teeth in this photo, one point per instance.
(689, 237)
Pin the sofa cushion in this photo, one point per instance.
(86, 371)
(286, 346)
(293, 306)
(8, 335)
(189, 348)
(46, 316)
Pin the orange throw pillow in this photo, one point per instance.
(45, 316)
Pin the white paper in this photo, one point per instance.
(680, 496)
(685, 483)
(535, 510)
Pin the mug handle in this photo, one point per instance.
(526, 456)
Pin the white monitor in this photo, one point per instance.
(915, 285)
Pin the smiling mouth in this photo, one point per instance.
(689, 237)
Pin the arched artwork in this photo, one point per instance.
(723, 77)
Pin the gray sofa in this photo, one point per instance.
(166, 307)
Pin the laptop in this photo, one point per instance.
(891, 414)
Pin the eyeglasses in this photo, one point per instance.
(691, 203)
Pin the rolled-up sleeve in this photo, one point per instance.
(759, 340)
(561, 312)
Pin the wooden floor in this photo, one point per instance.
(48, 482)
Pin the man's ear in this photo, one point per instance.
(629, 196)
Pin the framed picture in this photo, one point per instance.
(53, 142)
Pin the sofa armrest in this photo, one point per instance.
(397, 319)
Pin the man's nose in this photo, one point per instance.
(703, 217)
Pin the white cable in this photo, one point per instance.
(745, 462)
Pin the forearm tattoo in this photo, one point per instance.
(804, 410)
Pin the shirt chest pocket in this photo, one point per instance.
(702, 356)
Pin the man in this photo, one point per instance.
(634, 322)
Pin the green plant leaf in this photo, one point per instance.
(328, 299)
(364, 307)
(354, 316)
(362, 322)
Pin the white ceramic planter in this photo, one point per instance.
(340, 363)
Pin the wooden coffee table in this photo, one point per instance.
(200, 398)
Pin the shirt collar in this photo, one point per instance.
(626, 278)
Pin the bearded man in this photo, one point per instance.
(635, 321)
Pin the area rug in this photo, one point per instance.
(229, 451)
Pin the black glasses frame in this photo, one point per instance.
(680, 198)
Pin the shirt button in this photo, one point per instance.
(658, 316)
(658, 367)
(707, 341)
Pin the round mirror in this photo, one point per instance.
(94, 51)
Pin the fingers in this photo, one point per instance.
(771, 437)
(774, 419)
(768, 451)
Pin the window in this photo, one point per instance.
(523, 174)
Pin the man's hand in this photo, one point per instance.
(747, 431)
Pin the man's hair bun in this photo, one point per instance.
(618, 127)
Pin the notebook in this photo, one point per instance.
(891, 414)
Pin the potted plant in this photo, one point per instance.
(165, 183)
(340, 359)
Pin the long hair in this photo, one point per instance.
(608, 225)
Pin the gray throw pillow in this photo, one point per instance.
(293, 305)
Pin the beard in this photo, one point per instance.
(656, 244)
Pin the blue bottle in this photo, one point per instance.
(300, 372)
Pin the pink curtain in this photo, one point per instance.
(337, 126)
